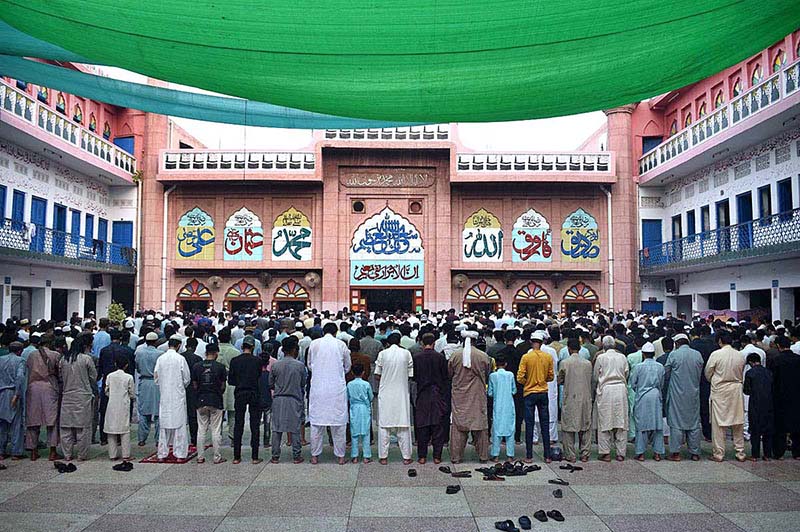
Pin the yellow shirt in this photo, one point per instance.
(535, 371)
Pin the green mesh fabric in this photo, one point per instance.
(416, 60)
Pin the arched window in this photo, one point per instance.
(531, 297)
(673, 128)
(687, 121)
(194, 295)
(61, 104)
(42, 94)
(580, 297)
(242, 295)
(482, 296)
(719, 100)
(757, 76)
(290, 295)
(737, 87)
(92, 123)
(77, 114)
(106, 131)
(779, 60)
(702, 111)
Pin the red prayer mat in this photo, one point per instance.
(171, 458)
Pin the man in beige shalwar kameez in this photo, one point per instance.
(469, 369)
(724, 371)
(575, 373)
(611, 403)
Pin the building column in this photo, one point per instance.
(75, 299)
(740, 300)
(104, 298)
(334, 266)
(782, 304)
(40, 303)
(624, 205)
(671, 305)
(5, 305)
(699, 302)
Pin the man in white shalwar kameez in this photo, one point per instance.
(172, 376)
(552, 395)
(328, 360)
(393, 367)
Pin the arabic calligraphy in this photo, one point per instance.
(243, 241)
(483, 244)
(388, 237)
(292, 241)
(389, 180)
(583, 244)
(193, 241)
(535, 243)
(387, 273)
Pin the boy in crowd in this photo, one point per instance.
(502, 387)
(359, 394)
(119, 390)
(758, 387)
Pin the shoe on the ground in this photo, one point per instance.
(506, 526)
(525, 522)
(453, 489)
(540, 516)
(555, 515)
(557, 493)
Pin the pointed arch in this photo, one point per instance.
(482, 293)
(194, 295)
(651, 129)
(242, 291)
(290, 292)
(532, 293)
(580, 296)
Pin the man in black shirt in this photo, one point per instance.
(191, 398)
(208, 381)
(244, 373)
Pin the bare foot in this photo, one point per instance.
(639, 457)
(407, 462)
(437, 460)
(383, 461)
(367, 460)
(657, 457)
(620, 458)
(355, 460)
(237, 461)
(342, 461)
(604, 457)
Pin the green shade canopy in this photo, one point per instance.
(416, 60)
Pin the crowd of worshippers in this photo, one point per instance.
(609, 378)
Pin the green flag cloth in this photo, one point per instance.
(416, 60)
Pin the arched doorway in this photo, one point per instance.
(580, 297)
(242, 296)
(194, 296)
(482, 297)
(531, 298)
(291, 295)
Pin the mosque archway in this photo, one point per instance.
(482, 297)
(242, 296)
(194, 296)
(531, 297)
(580, 297)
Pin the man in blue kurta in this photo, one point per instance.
(683, 371)
(634, 359)
(647, 383)
(12, 386)
(359, 395)
(148, 396)
(502, 387)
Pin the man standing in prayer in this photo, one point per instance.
(534, 374)
(502, 387)
(12, 386)
(78, 384)
(244, 374)
(118, 388)
(42, 400)
(469, 369)
(192, 358)
(106, 364)
(552, 395)
(575, 375)
(208, 380)
(611, 403)
(682, 374)
(172, 376)
(228, 352)
(634, 359)
(647, 381)
(287, 380)
(432, 409)
(371, 347)
(328, 361)
(724, 370)
(747, 347)
(393, 367)
(147, 397)
(512, 355)
(786, 397)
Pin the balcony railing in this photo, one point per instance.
(58, 125)
(182, 160)
(33, 241)
(764, 95)
(777, 233)
(540, 162)
(412, 133)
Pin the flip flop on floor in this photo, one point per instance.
(525, 522)
(453, 489)
(532, 468)
(412, 473)
(540, 516)
(555, 515)
(558, 482)
(494, 478)
(461, 474)
(571, 468)
(557, 493)
(445, 469)
(506, 526)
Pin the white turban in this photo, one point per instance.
(466, 358)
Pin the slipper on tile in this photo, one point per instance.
(412, 473)
(506, 526)
(557, 493)
(540, 516)
(495, 478)
(555, 515)
(558, 482)
(461, 474)
(525, 522)
(453, 489)
(445, 469)
(532, 468)
(60, 466)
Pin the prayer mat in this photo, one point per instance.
(171, 458)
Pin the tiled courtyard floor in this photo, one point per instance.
(629, 496)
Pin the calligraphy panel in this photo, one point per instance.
(387, 250)
(195, 235)
(482, 238)
(244, 236)
(531, 238)
(365, 177)
(580, 238)
(291, 236)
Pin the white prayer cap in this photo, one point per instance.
(466, 356)
(176, 336)
(159, 315)
(298, 324)
(537, 335)
(149, 317)
(469, 334)
(298, 334)
(66, 328)
(590, 313)
(648, 348)
(151, 337)
(37, 334)
(460, 328)
(129, 324)
(680, 336)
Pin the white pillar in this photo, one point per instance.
(699, 302)
(783, 304)
(671, 305)
(48, 302)
(37, 304)
(104, 298)
(740, 300)
(5, 305)
(75, 299)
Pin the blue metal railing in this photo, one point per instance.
(772, 234)
(27, 238)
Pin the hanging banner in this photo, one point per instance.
(244, 236)
(531, 238)
(580, 238)
(482, 238)
(291, 236)
(195, 235)
(387, 250)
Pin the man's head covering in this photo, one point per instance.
(679, 336)
(249, 341)
(129, 324)
(212, 344)
(466, 357)
(648, 348)
(24, 322)
(15, 347)
(537, 336)
(151, 337)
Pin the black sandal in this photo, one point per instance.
(506, 526)
(412, 473)
(532, 468)
(461, 474)
(555, 515)
(495, 478)
(444, 469)
(558, 482)
(540, 516)
(525, 522)
(453, 489)
(557, 493)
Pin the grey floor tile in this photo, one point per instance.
(766, 521)
(637, 499)
(781, 470)
(396, 475)
(668, 523)
(608, 473)
(793, 485)
(77, 498)
(184, 500)
(137, 523)
(409, 524)
(101, 472)
(210, 474)
(289, 502)
(27, 471)
(704, 471)
(572, 523)
(408, 502)
(283, 524)
(756, 496)
(333, 475)
(523, 500)
(12, 489)
(37, 522)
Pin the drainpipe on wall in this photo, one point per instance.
(165, 210)
(137, 289)
(610, 248)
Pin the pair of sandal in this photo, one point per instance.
(571, 468)
(123, 466)
(555, 515)
(447, 470)
(65, 468)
